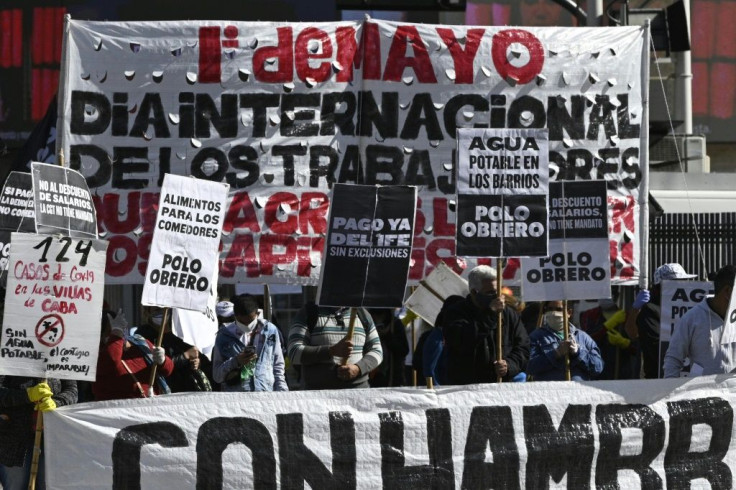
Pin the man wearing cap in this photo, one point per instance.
(700, 334)
(470, 334)
(644, 318)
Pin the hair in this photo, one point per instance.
(478, 275)
(724, 277)
(244, 304)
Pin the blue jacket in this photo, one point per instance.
(269, 370)
(434, 358)
(545, 366)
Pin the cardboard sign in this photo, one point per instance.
(16, 203)
(605, 434)
(578, 265)
(62, 202)
(427, 299)
(282, 111)
(198, 328)
(53, 307)
(502, 187)
(183, 258)
(368, 246)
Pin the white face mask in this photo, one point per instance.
(249, 326)
(157, 319)
(555, 320)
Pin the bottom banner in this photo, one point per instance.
(670, 433)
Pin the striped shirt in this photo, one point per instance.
(311, 350)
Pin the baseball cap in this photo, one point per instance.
(671, 271)
(224, 309)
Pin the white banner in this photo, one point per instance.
(608, 434)
(282, 111)
(183, 258)
(53, 307)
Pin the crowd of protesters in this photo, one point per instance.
(251, 353)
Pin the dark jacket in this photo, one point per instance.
(544, 364)
(470, 341)
(17, 414)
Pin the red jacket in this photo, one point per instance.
(113, 379)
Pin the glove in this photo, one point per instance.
(118, 322)
(159, 355)
(616, 319)
(46, 405)
(642, 298)
(39, 392)
(410, 315)
(618, 340)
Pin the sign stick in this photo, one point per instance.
(159, 341)
(430, 382)
(267, 302)
(414, 339)
(499, 329)
(351, 330)
(566, 327)
(36, 449)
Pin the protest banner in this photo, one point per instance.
(16, 203)
(368, 246)
(677, 299)
(282, 111)
(198, 328)
(605, 434)
(502, 187)
(578, 264)
(427, 299)
(62, 202)
(183, 257)
(53, 307)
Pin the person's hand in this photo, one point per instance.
(564, 348)
(246, 356)
(616, 319)
(194, 363)
(642, 298)
(46, 405)
(39, 392)
(618, 340)
(574, 347)
(342, 349)
(499, 303)
(159, 355)
(501, 367)
(118, 322)
(348, 372)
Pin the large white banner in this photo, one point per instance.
(183, 257)
(53, 307)
(616, 434)
(283, 111)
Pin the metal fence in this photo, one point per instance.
(673, 238)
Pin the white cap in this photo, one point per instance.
(224, 309)
(671, 271)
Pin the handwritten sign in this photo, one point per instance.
(53, 307)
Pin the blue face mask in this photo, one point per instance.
(484, 300)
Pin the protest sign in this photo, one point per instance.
(578, 265)
(16, 203)
(677, 299)
(728, 336)
(183, 257)
(53, 307)
(282, 111)
(428, 298)
(605, 434)
(368, 247)
(62, 202)
(198, 328)
(502, 187)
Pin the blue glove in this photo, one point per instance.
(642, 298)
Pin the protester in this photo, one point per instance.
(700, 334)
(20, 399)
(549, 348)
(247, 354)
(192, 369)
(395, 348)
(605, 325)
(125, 362)
(644, 317)
(318, 343)
(430, 354)
(470, 334)
(224, 312)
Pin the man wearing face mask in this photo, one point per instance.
(470, 334)
(247, 354)
(549, 347)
